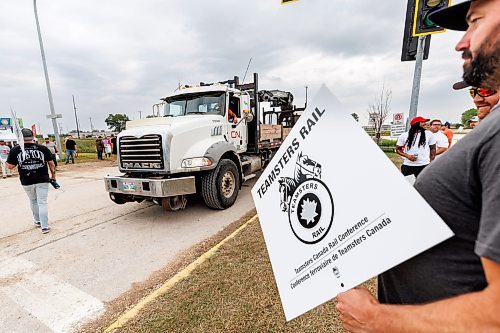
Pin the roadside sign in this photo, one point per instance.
(4, 121)
(398, 118)
(397, 130)
(327, 228)
(398, 125)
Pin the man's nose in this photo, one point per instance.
(464, 42)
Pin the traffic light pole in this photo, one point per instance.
(417, 75)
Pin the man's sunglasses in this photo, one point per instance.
(481, 92)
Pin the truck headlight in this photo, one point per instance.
(196, 162)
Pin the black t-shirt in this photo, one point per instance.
(32, 165)
(113, 144)
(70, 144)
(463, 187)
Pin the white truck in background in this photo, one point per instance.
(193, 146)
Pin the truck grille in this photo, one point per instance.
(144, 153)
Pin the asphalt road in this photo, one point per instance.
(95, 251)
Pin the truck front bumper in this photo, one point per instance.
(157, 188)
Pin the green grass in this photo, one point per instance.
(83, 157)
(86, 145)
(388, 142)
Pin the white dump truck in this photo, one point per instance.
(206, 139)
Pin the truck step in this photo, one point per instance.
(250, 176)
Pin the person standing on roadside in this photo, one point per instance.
(33, 173)
(107, 146)
(113, 144)
(484, 99)
(417, 147)
(70, 149)
(4, 153)
(473, 121)
(441, 139)
(445, 128)
(99, 146)
(454, 286)
(51, 145)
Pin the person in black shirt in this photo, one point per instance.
(113, 144)
(33, 173)
(70, 149)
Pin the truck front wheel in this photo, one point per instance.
(220, 186)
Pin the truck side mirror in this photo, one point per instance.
(248, 116)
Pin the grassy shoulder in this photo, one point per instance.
(234, 291)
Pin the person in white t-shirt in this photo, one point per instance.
(441, 139)
(417, 146)
(4, 153)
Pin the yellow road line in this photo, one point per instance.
(130, 314)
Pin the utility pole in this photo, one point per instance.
(76, 118)
(53, 114)
(140, 114)
(91, 126)
(307, 87)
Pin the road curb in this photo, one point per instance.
(130, 314)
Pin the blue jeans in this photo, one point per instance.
(38, 193)
(70, 153)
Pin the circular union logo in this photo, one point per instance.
(311, 211)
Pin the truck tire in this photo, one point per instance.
(220, 186)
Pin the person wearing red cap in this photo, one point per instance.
(454, 286)
(417, 146)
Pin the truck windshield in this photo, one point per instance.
(195, 104)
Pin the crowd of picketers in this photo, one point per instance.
(428, 139)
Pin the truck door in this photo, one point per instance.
(237, 127)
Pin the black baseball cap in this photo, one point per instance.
(27, 134)
(460, 85)
(453, 17)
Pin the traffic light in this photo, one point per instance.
(410, 43)
(421, 24)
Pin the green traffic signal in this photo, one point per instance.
(428, 23)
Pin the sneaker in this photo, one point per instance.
(45, 230)
(38, 224)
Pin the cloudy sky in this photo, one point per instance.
(122, 56)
